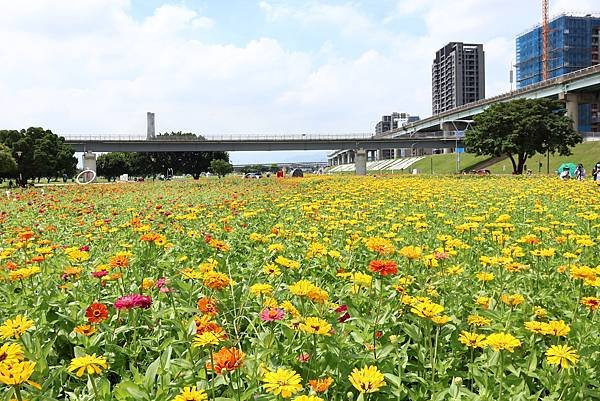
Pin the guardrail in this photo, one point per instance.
(543, 84)
(220, 138)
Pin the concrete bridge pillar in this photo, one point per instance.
(150, 126)
(89, 161)
(361, 162)
(572, 105)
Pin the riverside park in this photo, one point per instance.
(320, 288)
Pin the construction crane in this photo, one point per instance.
(545, 30)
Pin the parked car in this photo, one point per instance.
(253, 175)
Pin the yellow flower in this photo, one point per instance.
(285, 262)
(308, 398)
(476, 320)
(261, 289)
(90, 364)
(147, 283)
(472, 340)
(367, 380)
(380, 245)
(11, 353)
(562, 355)
(290, 308)
(535, 326)
(206, 338)
(271, 269)
(556, 328)
(427, 309)
(485, 276)
(16, 373)
(512, 299)
(411, 252)
(484, 302)
(440, 319)
(315, 325)
(191, 394)
(501, 341)
(85, 329)
(284, 382)
(15, 328)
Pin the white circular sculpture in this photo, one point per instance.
(88, 175)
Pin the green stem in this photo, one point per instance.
(18, 393)
(501, 375)
(212, 382)
(94, 388)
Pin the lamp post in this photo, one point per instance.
(19, 153)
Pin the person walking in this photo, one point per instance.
(580, 172)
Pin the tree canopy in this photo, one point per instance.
(42, 153)
(8, 165)
(221, 167)
(521, 128)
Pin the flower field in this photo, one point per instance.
(323, 288)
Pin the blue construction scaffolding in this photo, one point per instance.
(573, 44)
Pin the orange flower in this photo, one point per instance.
(208, 305)
(216, 280)
(85, 329)
(320, 385)
(226, 360)
(383, 267)
(96, 312)
(119, 261)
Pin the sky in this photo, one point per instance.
(217, 67)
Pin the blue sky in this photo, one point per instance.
(241, 66)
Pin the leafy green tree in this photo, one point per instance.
(221, 167)
(521, 128)
(8, 165)
(112, 165)
(42, 153)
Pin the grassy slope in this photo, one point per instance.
(446, 164)
(587, 153)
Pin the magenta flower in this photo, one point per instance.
(271, 314)
(133, 301)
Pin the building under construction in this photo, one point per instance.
(572, 44)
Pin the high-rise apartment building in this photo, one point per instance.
(393, 121)
(573, 44)
(458, 76)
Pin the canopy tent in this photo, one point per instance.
(571, 166)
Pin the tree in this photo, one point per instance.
(42, 153)
(521, 128)
(221, 167)
(8, 165)
(112, 165)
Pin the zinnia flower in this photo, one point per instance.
(383, 267)
(472, 340)
(226, 360)
(316, 325)
(320, 385)
(16, 373)
(96, 312)
(367, 380)
(207, 338)
(284, 382)
(208, 305)
(133, 301)
(562, 355)
(501, 341)
(85, 329)
(15, 328)
(89, 364)
(11, 353)
(271, 314)
(216, 281)
(191, 394)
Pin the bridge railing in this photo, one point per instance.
(228, 138)
(542, 84)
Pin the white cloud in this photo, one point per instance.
(88, 65)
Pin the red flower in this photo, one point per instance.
(383, 267)
(96, 312)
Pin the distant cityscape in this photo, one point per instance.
(458, 77)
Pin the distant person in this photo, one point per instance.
(11, 184)
(565, 174)
(580, 172)
(596, 171)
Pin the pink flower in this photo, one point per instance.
(161, 282)
(133, 301)
(341, 308)
(304, 357)
(270, 314)
(84, 248)
(100, 273)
